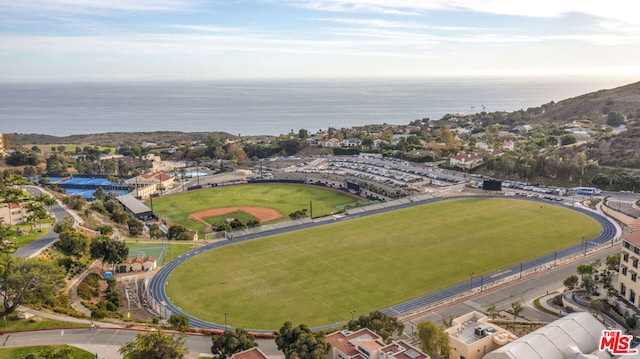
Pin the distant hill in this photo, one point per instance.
(592, 106)
(115, 138)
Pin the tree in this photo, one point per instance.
(435, 341)
(596, 306)
(231, 342)
(492, 311)
(6, 244)
(301, 343)
(178, 232)
(585, 271)
(179, 322)
(303, 134)
(613, 261)
(568, 139)
(381, 323)
(105, 229)
(109, 250)
(154, 231)
(64, 225)
(155, 345)
(35, 213)
(615, 119)
(571, 281)
(135, 226)
(56, 352)
(516, 309)
(100, 194)
(75, 202)
(47, 200)
(29, 280)
(73, 242)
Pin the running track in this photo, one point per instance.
(157, 284)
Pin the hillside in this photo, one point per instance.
(115, 138)
(593, 106)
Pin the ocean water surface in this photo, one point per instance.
(267, 107)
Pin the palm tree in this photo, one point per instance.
(47, 200)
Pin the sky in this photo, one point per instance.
(288, 39)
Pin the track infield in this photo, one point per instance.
(318, 276)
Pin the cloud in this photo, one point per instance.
(621, 11)
(87, 6)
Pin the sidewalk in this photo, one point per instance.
(544, 302)
(64, 318)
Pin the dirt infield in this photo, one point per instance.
(263, 214)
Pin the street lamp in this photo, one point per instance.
(471, 280)
(584, 245)
(225, 322)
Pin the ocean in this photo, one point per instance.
(262, 107)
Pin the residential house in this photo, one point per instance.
(508, 146)
(351, 142)
(466, 162)
(332, 142)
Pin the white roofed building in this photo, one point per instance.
(575, 336)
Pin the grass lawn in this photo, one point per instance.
(169, 249)
(12, 353)
(317, 276)
(22, 241)
(285, 198)
(13, 323)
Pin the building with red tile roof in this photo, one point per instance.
(253, 353)
(366, 344)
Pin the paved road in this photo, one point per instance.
(106, 342)
(34, 248)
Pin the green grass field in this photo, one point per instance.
(285, 198)
(317, 276)
(164, 251)
(13, 353)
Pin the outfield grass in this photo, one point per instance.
(318, 276)
(284, 198)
